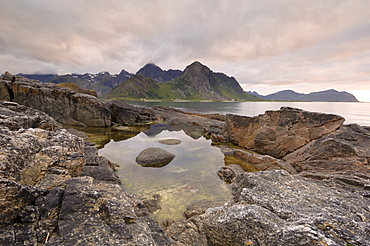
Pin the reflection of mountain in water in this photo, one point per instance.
(193, 131)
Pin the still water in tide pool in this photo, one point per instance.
(190, 177)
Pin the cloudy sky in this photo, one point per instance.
(267, 45)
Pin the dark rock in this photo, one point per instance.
(154, 157)
(170, 141)
(153, 204)
(101, 173)
(277, 133)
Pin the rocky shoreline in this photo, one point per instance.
(312, 186)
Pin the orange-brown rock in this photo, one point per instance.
(277, 133)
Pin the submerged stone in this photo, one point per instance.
(154, 157)
(171, 141)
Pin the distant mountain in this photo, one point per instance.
(137, 86)
(39, 77)
(197, 82)
(102, 82)
(321, 96)
(151, 70)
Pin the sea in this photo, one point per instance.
(353, 112)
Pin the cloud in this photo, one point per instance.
(265, 44)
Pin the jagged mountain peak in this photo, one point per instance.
(159, 75)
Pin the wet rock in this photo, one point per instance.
(276, 208)
(345, 150)
(277, 133)
(154, 157)
(171, 141)
(153, 204)
(199, 208)
(229, 172)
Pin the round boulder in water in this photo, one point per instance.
(154, 157)
(171, 141)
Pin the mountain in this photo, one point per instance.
(321, 96)
(39, 77)
(137, 86)
(151, 70)
(102, 82)
(197, 82)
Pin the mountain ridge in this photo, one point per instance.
(329, 95)
(197, 82)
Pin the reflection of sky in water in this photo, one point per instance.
(190, 177)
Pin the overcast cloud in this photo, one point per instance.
(267, 45)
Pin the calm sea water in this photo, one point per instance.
(353, 112)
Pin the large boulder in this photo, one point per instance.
(277, 133)
(154, 157)
(276, 208)
(345, 150)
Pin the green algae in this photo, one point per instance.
(100, 136)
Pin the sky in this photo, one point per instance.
(267, 45)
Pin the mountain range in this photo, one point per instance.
(197, 82)
(320, 96)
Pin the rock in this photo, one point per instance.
(153, 204)
(170, 141)
(345, 150)
(42, 191)
(276, 208)
(8, 76)
(264, 162)
(199, 208)
(78, 89)
(195, 125)
(65, 105)
(230, 172)
(5, 94)
(126, 114)
(277, 133)
(154, 157)
(15, 117)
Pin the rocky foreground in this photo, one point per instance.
(312, 186)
